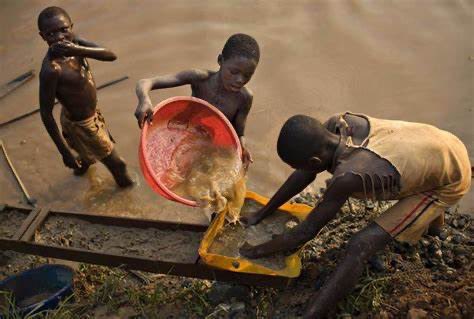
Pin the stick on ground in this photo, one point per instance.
(16, 83)
(29, 199)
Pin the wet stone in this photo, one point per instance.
(458, 239)
(443, 234)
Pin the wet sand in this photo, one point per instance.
(232, 236)
(10, 222)
(173, 245)
(406, 60)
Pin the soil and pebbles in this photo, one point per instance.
(165, 245)
(10, 221)
(433, 279)
(232, 236)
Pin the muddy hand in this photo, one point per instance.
(144, 113)
(64, 48)
(246, 158)
(252, 218)
(71, 161)
(248, 250)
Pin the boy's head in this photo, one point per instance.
(304, 143)
(55, 25)
(238, 61)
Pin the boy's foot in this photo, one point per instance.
(81, 170)
(124, 180)
(118, 168)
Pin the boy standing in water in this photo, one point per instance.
(225, 88)
(424, 168)
(65, 75)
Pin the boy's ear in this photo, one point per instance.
(220, 59)
(41, 34)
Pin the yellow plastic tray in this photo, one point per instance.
(241, 264)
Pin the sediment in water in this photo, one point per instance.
(232, 236)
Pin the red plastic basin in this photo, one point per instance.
(160, 154)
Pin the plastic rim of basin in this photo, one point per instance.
(223, 134)
(58, 278)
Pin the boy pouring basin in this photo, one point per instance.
(182, 128)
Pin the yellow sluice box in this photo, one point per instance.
(228, 257)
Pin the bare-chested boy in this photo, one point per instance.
(65, 75)
(225, 88)
(424, 168)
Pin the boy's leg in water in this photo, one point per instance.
(118, 168)
(360, 248)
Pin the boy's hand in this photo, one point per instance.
(70, 161)
(64, 48)
(246, 158)
(252, 218)
(144, 113)
(249, 251)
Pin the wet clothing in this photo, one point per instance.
(428, 171)
(89, 138)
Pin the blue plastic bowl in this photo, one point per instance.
(39, 289)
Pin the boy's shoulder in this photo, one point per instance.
(49, 68)
(199, 74)
(247, 96)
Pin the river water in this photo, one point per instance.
(406, 59)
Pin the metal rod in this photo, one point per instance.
(16, 83)
(15, 119)
(29, 199)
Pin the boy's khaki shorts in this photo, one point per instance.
(89, 138)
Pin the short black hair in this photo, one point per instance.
(241, 45)
(301, 137)
(50, 12)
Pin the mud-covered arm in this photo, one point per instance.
(296, 183)
(48, 82)
(239, 125)
(337, 193)
(82, 48)
(144, 108)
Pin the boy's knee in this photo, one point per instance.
(359, 245)
(367, 241)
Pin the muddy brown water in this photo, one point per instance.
(411, 60)
(10, 222)
(232, 236)
(173, 245)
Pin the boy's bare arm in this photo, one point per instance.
(83, 48)
(48, 82)
(297, 181)
(337, 193)
(144, 109)
(239, 125)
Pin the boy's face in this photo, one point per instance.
(236, 71)
(56, 29)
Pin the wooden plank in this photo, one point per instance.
(201, 271)
(29, 233)
(16, 83)
(130, 222)
(26, 223)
